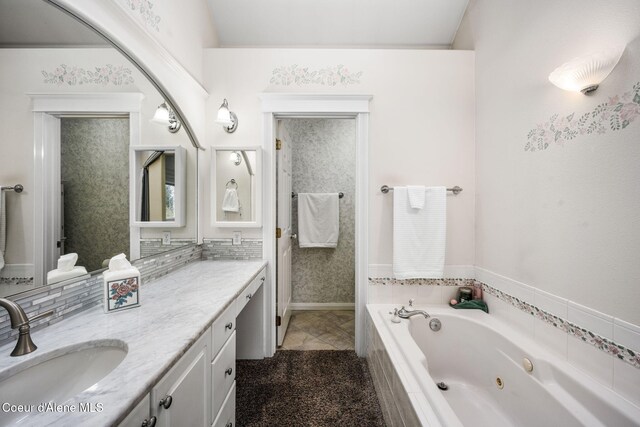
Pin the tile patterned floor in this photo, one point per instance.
(320, 330)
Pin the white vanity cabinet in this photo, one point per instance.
(181, 397)
(140, 416)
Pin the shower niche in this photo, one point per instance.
(236, 186)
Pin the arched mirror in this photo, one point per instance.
(84, 128)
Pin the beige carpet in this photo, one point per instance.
(306, 388)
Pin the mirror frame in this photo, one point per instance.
(257, 200)
(180, 187)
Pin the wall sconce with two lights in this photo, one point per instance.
(584, 74)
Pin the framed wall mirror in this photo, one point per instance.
(76, 107)
(158, 186)
(236, 183)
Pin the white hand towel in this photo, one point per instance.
(416, 195)
(419, 235)
(318, 220)
(230, 202)
(3, 228)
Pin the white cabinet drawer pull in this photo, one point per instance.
(229, 371)
(166, 402)
(229, 326)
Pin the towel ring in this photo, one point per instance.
(232, 182)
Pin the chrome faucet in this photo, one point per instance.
(405, 314)
(20, 321)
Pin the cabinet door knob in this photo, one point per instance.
(228, 326)
(229, 424)
(166, 402)
(265, 278)
(229, 371)
(151, 422)
(249, 296)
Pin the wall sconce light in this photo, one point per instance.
(585, 73)
(226, 118)
(235, 158)
(165, 116)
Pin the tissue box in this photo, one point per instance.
(121, 293)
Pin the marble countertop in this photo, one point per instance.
(175, 310)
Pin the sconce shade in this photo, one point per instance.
(585, 73)
(162, 115)
(226, 118)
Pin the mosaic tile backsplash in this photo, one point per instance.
(621, 352)
(216, 249)
(67, 299)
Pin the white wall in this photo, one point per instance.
(566, 219)
(421, 132)
(21, 74)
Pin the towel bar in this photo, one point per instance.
(340, 195)
(455, 190)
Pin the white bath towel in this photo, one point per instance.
(416, 195)
(318, 220)
(230, 202)
(419, 235)
(3, 228)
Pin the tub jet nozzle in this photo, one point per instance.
(442, 386)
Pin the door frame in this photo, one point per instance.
(46, 109)
(275, 106)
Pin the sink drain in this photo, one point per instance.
(499, 383)
(442, 386)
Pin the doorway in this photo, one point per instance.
(316, 163)
(287, 106)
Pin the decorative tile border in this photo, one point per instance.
(608, 346)
(215, 249)
(616, 114)
(68, 298)
(116, 75)
(328, 76)
(145, 10)
(420, 282)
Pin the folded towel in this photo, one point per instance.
(416, 195)
(473, 304)
(3, 228)
(419, 235)
(67, 262)
(230, 202)
(318, 220)
(55, 276)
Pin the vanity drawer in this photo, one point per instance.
(246, 295)
(222, 329)
(227, 415)
(223, 373)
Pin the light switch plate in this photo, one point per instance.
(166, 237)
(237, 237)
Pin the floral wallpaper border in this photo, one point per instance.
(145, 10)
(614, 115)
(608, 346)
(116, 75)
(327, 76)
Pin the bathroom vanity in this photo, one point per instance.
(176, 352)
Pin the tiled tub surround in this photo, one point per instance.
(217, 249)
(606, 348)
(71, 297)
(157, 333)
(412, 359)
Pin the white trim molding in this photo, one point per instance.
(322, 306)
(98, 102)
(279, 105)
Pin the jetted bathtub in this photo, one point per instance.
(481, 361)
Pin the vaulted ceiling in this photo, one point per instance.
(337, 23)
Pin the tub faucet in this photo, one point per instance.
(405, 314)
(20, 321)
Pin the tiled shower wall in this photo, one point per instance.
(324, 162)
(67, 299)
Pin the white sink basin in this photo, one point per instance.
(58, 375)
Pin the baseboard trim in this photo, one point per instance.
(17, 271)
(322, 306)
